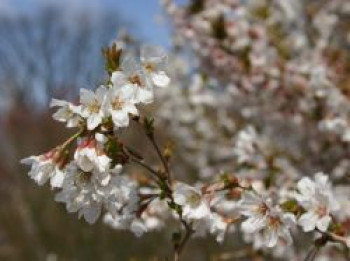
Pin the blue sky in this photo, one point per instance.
(142, 13)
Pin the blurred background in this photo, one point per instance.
(52, 48)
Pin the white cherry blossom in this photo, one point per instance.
(83, 192)
(119, 104)
(263, 216)
(67, 112)
(131, 75)
(44, 168)
(191, 200)
(89, 155)
(91, 103)
(153, 59)
(317, 198)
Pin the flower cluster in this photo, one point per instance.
(92, 181)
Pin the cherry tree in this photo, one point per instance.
(255, 100)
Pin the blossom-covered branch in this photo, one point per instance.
(251, 128)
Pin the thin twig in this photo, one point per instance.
(179, 248)
(334, 238)
(144, 165)
(71, 139)
(312, 254)
(161, 157)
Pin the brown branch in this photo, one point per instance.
(154, 173)
(161, 157)
(188, 233)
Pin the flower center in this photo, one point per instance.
(321, 211)
(69, 113)
(274, 222)
(263, 209)
(83, 178)
(194, 199)
(117, 104)
(135, 79)
(94, 107)
(149, 67)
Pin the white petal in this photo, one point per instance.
(101, 138)
(306, 187)
(127, 93)
(92, 213)
(103, 162)
(160, 79)
(138, 228)
(101, 93)
(131, 108)
(253, 224)
(308, 221)
(179, 199)
(323, 223)
(29, 160)
(285, 234)
(129, 63)
(117, 169)
(289, 219)
(200, 212)
(56, 180)
(144, 95)
(120, 118)
(84, 163)
(86, 96)
(93, 121)
(153, 54)
(58, 103)
(271, 237)
(118, 79)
